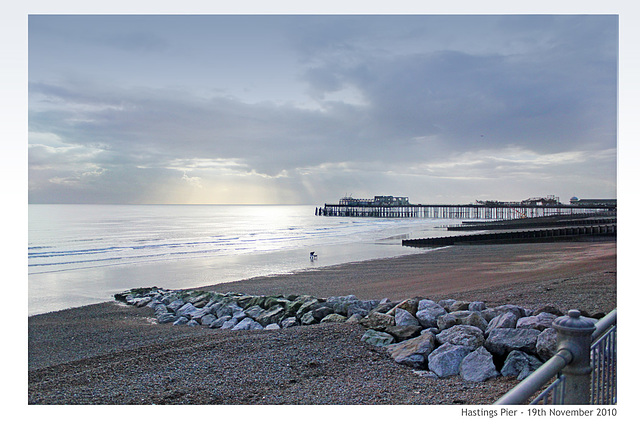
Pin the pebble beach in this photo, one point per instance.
(113, 354)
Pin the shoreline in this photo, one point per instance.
(112, 354)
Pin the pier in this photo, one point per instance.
(505, 211)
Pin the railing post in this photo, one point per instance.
(574, 335)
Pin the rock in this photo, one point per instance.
(459, 306)
(478, 366)
(201, 298)
(289, 322)
(404, 332)
(228, 309)
(207, 319)
(462, 335)
(446, 303)
(518, 311)
(272, 315)
(141, 302)
(540, 321)
(546, 344)
(413, 352)
(271, 327)
(340, 304)
(229, 324)
(384, 307)
(354, 318)
(160, 309)
(306, 306)
(520, 364)
(175, 305)
(193, 323)
(477, 306)
(180, 321)
(410, 305)
(166, 318)
(472, 318)
(219, 322)
(186, 310)
(428, 313)
(405, 318)
(377, 321)
(333, 318)
(254, 311)
(504, 320)
(247, 324)
(489, 314)
(377, 338)
(322, 312)
(308, 319)
(503, 340)
(445, 360)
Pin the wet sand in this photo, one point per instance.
(113, 354)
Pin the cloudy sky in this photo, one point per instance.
(307, 109)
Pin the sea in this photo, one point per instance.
(84, 254)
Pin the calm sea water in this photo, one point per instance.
(83, 254)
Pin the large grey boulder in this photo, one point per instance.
(504, 320)
(219, 322)
(445, 360)
(253, 311)
(175, 305)
(446, 303)
(519, 364)
(413, 352)
(454, 318)
(518, 311)
(166, 318)
(247, 324)
(180, 321)
(405, 318)
(540, 321)
(546, 344)
(377, 321)
(428, 313)
(462, 335)
(333, 318)
(207, 319)
(377, 338)
(503, 340)
(405, 332)
(187, 310)
(308, 319)
(289, 322)
(272, 315)
(322, 312)
(477, 306)
(228, 309)
(478, 366)
(229, 324)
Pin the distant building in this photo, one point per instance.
(377, 201)
(599, 202)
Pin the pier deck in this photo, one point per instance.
(467, 211)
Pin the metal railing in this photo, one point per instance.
(585, 364)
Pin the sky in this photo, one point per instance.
(306, 109)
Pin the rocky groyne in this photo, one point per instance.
(437, 339)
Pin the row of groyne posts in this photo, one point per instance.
(466, 211)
